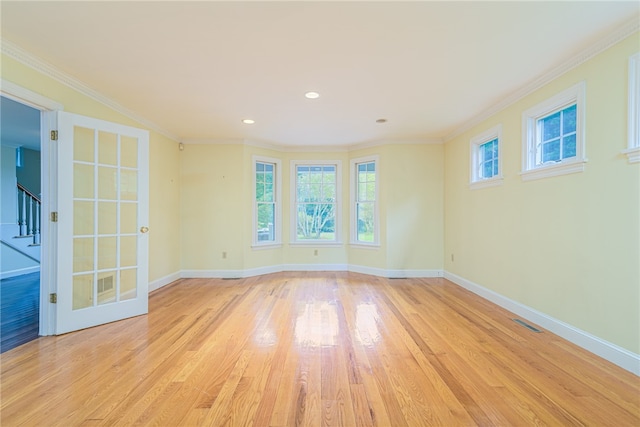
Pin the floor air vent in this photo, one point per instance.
(526, 325)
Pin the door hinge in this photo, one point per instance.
(54, 216)
(54, 135)
(53, 298)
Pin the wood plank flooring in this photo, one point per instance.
(19, 310)
(314, 349)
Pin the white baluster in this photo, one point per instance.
(36, 233)
(18, 206)
(30, 222)
(23, 217)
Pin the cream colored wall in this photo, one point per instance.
(413, 184)
(568, 246)
(213, 209)
(164, 215)
(217, 208)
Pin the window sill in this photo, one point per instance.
(361, 245)
(274, 245)
(485, 183)
(554, 169)
(325, 244)
(633, 154)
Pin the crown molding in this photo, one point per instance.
(22, 56)
(621, 33)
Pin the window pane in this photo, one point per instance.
(487, 170)
(259, 192)
(362, 191)
(551, 126)
(316, 221)
(329, 193)
(266, 222)
(268, 193)
(265, 203)
(569, 119)
(569, 146)
(551, 151)
(365, 219)
(330, 175)
(495, 167)
(371, 167)
(315, 193)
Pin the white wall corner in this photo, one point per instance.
(609, 351)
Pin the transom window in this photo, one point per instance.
(316, 201)
(553, 136)
(486, 169)
(557, 133)
(633, 146)
(266, 224)
(489, 159)
(364, 199)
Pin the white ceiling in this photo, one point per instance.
(196, 69)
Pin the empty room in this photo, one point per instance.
(320, 213)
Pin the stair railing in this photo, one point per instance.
(28, 212)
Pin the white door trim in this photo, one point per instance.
(48, 172)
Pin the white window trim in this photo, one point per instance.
(293, 214)
(633, 146)
(353, 179)
(530, 171)
(475, 181)
(255, 243)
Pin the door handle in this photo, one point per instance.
(144, 229)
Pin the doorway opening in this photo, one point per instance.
(20, 225)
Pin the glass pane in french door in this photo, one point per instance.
(105, 209)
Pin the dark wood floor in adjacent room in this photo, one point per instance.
(314, 349)
(19, 310)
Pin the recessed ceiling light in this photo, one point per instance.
(248, 121)
(381, 121)
(312, 95)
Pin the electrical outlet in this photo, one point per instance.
(224, 254)
(315, 252)
(451, 257)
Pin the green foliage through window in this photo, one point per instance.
(316, 198)
(365, 201)
(265, 201)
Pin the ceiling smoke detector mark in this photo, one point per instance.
(312, 95)
(381, 121)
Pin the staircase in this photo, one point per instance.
(24, 235)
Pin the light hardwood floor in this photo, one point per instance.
(314, 349)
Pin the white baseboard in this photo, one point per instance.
(19, 272)
(609, 351)
(163, 281)
(394, 274)
(228, 274)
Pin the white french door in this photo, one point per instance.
(103, 245)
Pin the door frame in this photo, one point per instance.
(48, 179)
